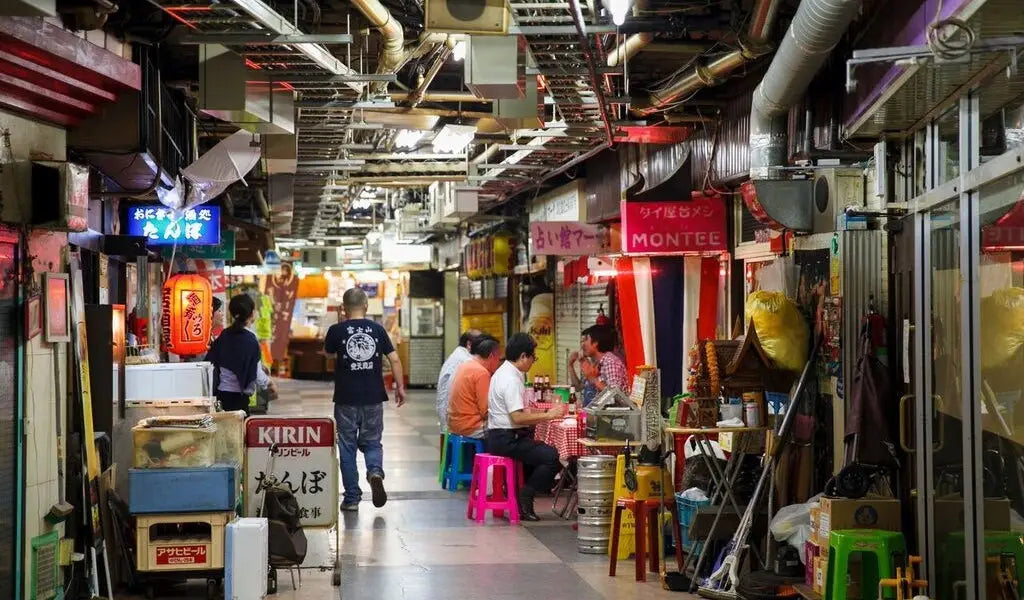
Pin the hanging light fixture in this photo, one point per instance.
(187, 310)
(453, 138)
(618, 9)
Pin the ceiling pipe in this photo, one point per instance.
(439, 97)
(753, 44)
(392, 51)
(815, 30)
(629, 48)
(417, 95)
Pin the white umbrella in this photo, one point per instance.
(227, 162)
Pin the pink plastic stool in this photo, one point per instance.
(503, 470)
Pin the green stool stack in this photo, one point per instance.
(997, 543)
(881, 550)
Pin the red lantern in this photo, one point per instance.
(187, 310)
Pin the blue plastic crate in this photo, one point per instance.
(193, 489)
(687, 511)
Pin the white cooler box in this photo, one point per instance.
(167, 381)
(245, 559)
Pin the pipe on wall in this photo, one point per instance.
(815, 30)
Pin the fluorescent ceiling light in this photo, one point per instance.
(362, 204)
(453, 138)
(459, 52)
(408, 138)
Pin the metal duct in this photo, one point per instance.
(392, 53)
(752, 45)
(629, 48)
(815, 30)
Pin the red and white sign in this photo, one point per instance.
(193, 554)
(674, 227)
(306, 464)
(1007, 232)
(567, 238)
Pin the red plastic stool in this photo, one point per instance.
(506, 474)
(644, 512)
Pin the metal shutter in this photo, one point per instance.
(426, 355)
(575, 309)
(10, 479)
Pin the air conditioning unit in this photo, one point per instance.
(322, 257)
(478, 17)
(834, 190)
(493, 68)
(45, 194)
(459, 203)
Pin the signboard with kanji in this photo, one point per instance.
(695, 226)
(193, 554)
(566, 238)
(306, 465)
(199, 226)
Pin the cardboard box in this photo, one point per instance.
(820, 574)
(949, 516)
(815, 512)
(811, 553)
(863, 513)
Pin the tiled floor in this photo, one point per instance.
(420, 546)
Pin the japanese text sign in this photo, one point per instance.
(199, 226)
(567, 238)
(674, 227)
(181, 555)
(306, 465)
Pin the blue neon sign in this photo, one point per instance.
(199, 226)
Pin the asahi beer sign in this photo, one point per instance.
(695, 226)
(306, 464)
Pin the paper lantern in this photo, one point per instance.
(187, 312)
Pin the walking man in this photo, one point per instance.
(508, 423)
(360, 345)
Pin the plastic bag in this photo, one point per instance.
(780, 327)
(792, 524)
(1002, 326)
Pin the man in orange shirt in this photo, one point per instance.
(467, 405)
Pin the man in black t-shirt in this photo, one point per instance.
(359, 395)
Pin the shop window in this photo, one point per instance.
(947, 146)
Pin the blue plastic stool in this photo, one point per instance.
(457, 469)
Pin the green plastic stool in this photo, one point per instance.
(444, 455)
(881, 546)
(997, 543)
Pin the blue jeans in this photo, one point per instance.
(359, 428)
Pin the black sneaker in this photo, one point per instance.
(349, 506)
(380, 497)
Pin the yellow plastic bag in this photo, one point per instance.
(780, 327)
(1002, 326)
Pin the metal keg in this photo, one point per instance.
(596, 490)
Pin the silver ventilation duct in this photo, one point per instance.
(814, 32)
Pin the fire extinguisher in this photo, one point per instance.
(602, 319)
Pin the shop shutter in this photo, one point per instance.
(576, 308)
(426, 354)
(10, 481)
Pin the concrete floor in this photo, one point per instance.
(420, 546)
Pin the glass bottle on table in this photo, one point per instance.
(572, 401)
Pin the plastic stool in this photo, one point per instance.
(997, 544)
(455, 470)
(444, 456)
(883, 546)
(506, 475)
(644, 512)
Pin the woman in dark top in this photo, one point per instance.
(235, 355)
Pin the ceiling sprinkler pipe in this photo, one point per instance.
(392, 52)
(629, 48)
(815, 30)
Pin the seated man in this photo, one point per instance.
(591, 370)
(467, 409)
(508, 423)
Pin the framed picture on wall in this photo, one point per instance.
(33, 316)
(56, 327)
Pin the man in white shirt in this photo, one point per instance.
(508, 423)
(444, 379)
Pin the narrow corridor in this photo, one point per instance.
(420, 546)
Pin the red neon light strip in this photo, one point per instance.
(188, 8)
(179, 18)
